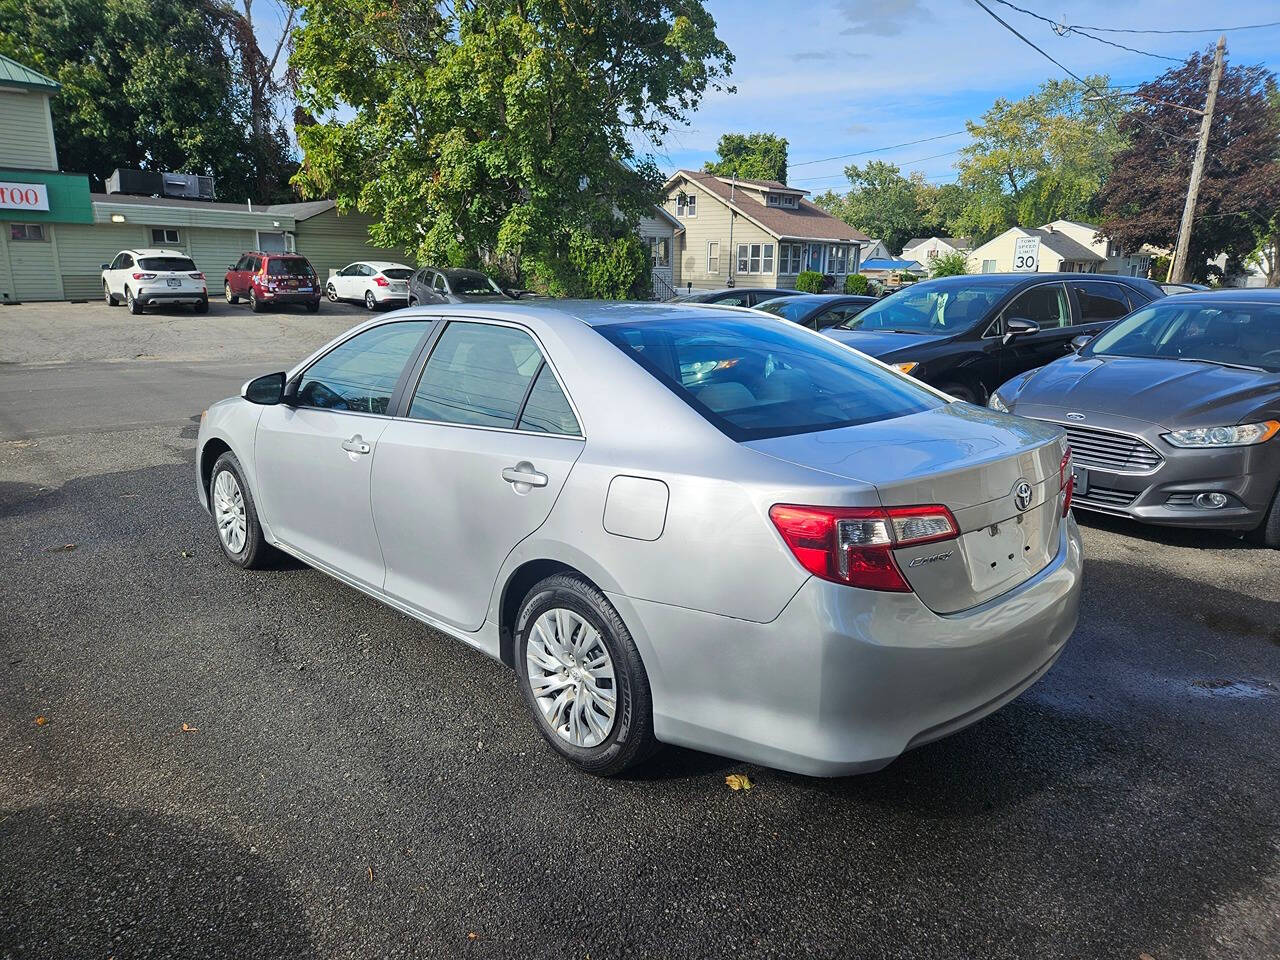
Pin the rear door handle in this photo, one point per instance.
(356, 445)
(525, 474)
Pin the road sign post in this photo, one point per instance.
(1026, 254)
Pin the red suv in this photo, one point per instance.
(267, 278)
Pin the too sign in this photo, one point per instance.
(24, 196)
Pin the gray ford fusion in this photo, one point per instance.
(1172, 413)
(676, 524)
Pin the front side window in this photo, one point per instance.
(163, 235)
(478, 375)
(437, 283)
(1243, 334)
(360, 374)
(1046, 305)
(754, 379)
(713, 256)
(1100, 301)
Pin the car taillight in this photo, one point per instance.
(382, 281)
(1066, 480)
(144, 276)
(196, 276)
(854, 545)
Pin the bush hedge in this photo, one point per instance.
(856, 283)
(810, 281)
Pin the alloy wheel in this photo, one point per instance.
(369, 302)
(571, 676)
(229, 511)
(226, 292)
(332, 293)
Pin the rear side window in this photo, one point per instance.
(1100, 300)
(547, 410)
(478, 375)
(162, 264)
(755, 379)
(288, 267)
(360, 374)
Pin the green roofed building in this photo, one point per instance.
(55, 234)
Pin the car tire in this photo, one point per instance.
(108, 296)
(201, 306)
(369, 302)
(235, 516)
(331, 292)
(413, 302)
(1267, 533)
(135, 307)
(226, 292)
(961, 392)
(254, 303)
(575, 605)
(313, 306)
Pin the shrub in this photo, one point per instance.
(856, 283)
(589, 266)
(950, 265)
(810, 281)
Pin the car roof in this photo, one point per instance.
(157, 252)
(1266, 296)
(382, 264)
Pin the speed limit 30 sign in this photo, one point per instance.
(1026, 254)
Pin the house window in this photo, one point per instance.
(713, 256)
(838, 259)
(742, 258)
(790, 257)
(163, 235)
(775, 200)
(767, 265)
(790, 201)
(272, 242)
(659, 254)
(988, 266)
(26, 231)
(687, 205)
(755, 258)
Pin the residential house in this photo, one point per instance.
(892, 272)
(924, 250)
(1116, 260)
(1058, 252)
(875, 250)
(658, 232)
(754, 233)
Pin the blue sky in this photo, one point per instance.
(838, 77)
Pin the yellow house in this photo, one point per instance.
(754, 233)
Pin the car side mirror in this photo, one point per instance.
(1080, 342)
(1018, 327)
(106, 266)
(266, 390)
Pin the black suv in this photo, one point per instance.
(967, 335)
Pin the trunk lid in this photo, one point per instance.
(972, 461)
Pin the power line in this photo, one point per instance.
(905, 163)
(1247, 26)
(1146, 53)
(1062, 29)
(861, 153)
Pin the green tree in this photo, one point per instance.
(497, 133)
(941, 209)
(1038, 159)
(949, 265)
(152, 84)
(752, 156)
(881, 202)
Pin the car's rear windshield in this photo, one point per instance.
(794, 309)
(934, 307)
(163, 264)
(472, 283)
(1183, 328)
(758, 378)
(398, 273)
(288, 267)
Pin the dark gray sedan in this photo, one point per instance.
(1172, 413)
(453, 285)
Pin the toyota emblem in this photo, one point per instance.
(1022, 495)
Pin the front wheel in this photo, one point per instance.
(369, 302)
(235, 516)
(582, 677)
(226, 292)
(108, 296)
(1267, 533)
(960, 392)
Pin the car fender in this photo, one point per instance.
(233, 422)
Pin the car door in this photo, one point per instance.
(1099, 303)
(473, 468)
(116, 273)
(1049, 306)
(440, 287)
(313, 453)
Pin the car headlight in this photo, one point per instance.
(907, 367)
(1242, 435)
(995, 403)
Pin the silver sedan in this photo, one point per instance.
(694, 526)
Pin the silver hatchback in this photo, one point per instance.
(678, 525)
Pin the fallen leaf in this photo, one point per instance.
(370, 869)
(186, 728)
(41, 721)
(185, 553)
(1145, 956)
(472, 935)
(65, 548)
(738, 781)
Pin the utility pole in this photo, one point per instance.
(1178, 268)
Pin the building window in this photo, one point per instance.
(713, 256)
(789, 257)
(272, 242)
(775, 200)
(838, 259)
(26, 231)
(988, 266)
(687, 205)
(659, 253)
(742, 258)
(767, 265)
(755, 258)
(163, 235)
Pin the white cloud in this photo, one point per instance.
(879, 18)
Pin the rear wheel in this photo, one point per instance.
(226, 292)
(202, 306)
(313, 306)
(369, 302)
(254, 303)
(235, 516)
(135, 306)
(582, 678)
(960, 391)
(332, 293)
(1267, 533)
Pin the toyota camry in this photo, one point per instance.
(686, 525)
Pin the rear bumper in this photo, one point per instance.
(844, 680)
(386, 296)
(165, 295)
(276, 296)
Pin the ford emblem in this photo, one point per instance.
(1075, 416)
(1022, 494)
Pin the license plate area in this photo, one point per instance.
(1081, 475)
(996, 553)
(174, 282)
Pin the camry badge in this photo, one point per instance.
(1075, 416)
(1022, 494)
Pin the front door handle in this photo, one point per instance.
(524, 473)
(357, 445)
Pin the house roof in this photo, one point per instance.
(882, 263)
(14, 74)
(296, 211)
(806, 222)
(304, 210)
(1061, 244)
(775, 186)
(958, 243)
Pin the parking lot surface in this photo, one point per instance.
(200, 761)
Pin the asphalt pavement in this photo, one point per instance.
(197, 761)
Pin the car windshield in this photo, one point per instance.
(163, 264)
(397, 273)
(755, 379)
(1180, 328)
(288, 267)
(930, 307)
(789, 308)
(472, 284)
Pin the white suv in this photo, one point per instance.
(150, 277)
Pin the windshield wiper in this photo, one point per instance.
(1223, 363)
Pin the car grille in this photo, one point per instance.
(1110, 451)
(1107, 497)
